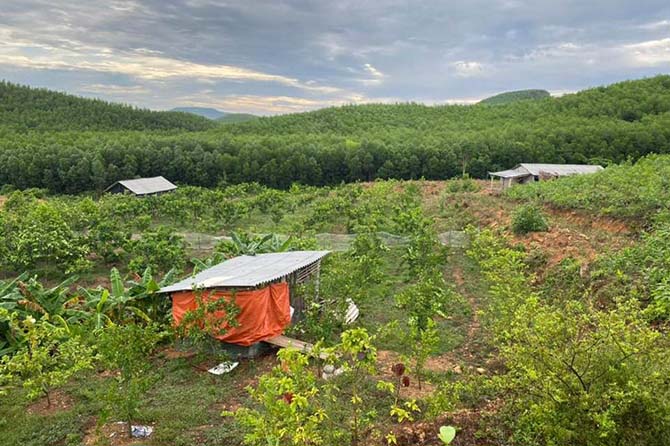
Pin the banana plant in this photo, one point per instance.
(247, 244)
(201, 265)
(30, 298)
(25, 297)
(120, 303)
(10, 293)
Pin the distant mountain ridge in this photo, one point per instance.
(514, 96)
(205, 112)
(216, 115)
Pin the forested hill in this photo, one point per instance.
(24, 108)
(624, 121)
(514, 96)
(625, 101)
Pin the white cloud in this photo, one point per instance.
(140, 63)
(373, 71)
(113, 89)
(267, 104)
(654, 26)
(468, 68)
(649, 53)
(460, 101)
(376, 76)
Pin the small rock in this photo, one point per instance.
(328, 369)
(481, 370)
(457, 369)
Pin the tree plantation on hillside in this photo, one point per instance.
(353, 143)
(31, 109)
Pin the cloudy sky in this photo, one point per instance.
(281, 56)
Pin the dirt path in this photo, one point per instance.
(468, 354)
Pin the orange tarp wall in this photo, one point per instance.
(264, 313)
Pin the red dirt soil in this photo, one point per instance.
(60, 402)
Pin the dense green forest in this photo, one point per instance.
(514, 96)
(25, 109)
(623, 121)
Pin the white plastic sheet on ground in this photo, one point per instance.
(224, 367)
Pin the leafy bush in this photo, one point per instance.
(48, 358)
(640, 270)
(289, 412)
(575, 374)
(161, 250)
(126, 348)
(293, 407)
(462, 185)
(529, 218)
(40, 235)
(422, 302)
(249, 244)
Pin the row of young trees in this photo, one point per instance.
(59, 235)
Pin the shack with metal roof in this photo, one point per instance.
(142, 187)
(263, 288)
(530, 172)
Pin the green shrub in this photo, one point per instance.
(127, 348)
(575, 373)
(48, 358)
(529, 218)
(462, 185)
(160, 249)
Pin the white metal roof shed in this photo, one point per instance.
(248, 271)
(145, 186)
(560, 169)
(525, 169)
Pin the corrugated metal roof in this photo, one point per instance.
(560, 169)
(511, 173)
(145, 186)
(525, 169)
(248, 271)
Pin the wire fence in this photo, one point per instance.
(331, 241)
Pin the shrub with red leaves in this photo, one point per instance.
(398, 369)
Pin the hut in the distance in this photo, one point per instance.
(527, 172)
(141, 187)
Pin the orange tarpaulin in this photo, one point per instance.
(264, 313)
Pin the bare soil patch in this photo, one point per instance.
(424, 433)
(60, 402)
(571, 234)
